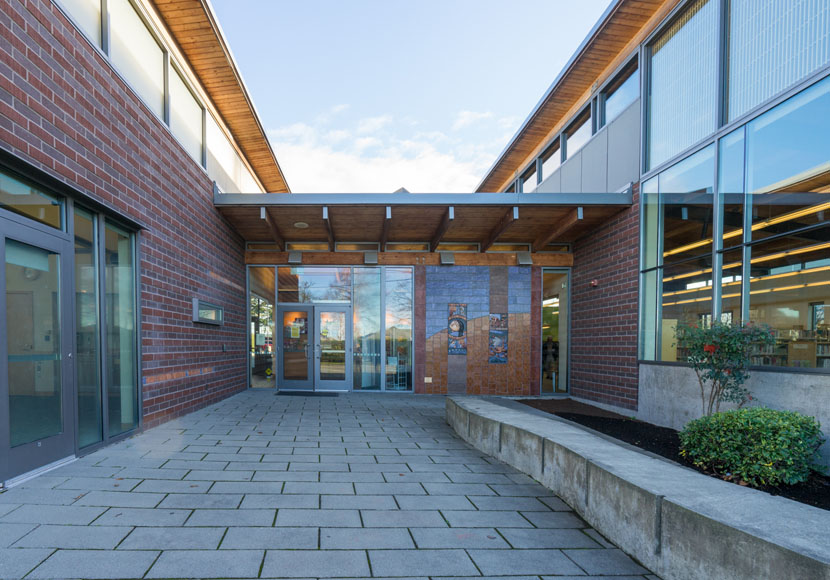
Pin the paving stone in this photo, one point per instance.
(271, 538)
(598, 538)
(247, 487)
(22, 495)
(232, 517)
(287, 476)
(256, 466)
(547, 538)
(534, 490)
(358, 502)
(425, 562)
(485, 478)
(233, 457)
(421, 467)
(10, 533)
(403, 519)
(434, 502)
(317, 563)
(120, 499)
(389, 489)
(365, 538)
(555, 504)
(352, 477)
(458, 489)
(321, 488)
(142, 517)
(165, 486)
(510, 562)
(458, 538)
(44, 482)
(328, 466)
(603, 561)
(198, 475)
(207, 564)
(319, 518)
(377, 467)
(615, 577)
(256, 501)
(416, 477)
(498, 503)
(7, 508)
(177, 464)
(173, 539)
(74, 537)
(16, 562)
(96, 564)
(204, 501)
(485, 519)
(53, 514)
(160, 473)
(555, 520)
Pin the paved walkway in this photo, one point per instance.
(270, 486)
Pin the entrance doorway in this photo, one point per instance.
(36, 374)
(315, 347)
(555, 331)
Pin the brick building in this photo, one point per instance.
(154, 262)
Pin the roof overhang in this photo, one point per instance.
(536, 219)
(194, 27)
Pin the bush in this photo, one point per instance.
(757, 445)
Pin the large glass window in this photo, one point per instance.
(529, 179)
(398, 328)
(314, 285)
(27, 200)
(578, 134)
(185, 116)
(367, 329)
(87, 330)
(621, 93)
(772, 45)
(682, 82)
(136, 53)
(551, 159)
(120, 331)
(87, 15)
(262, 344)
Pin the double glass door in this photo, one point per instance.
(36, 374)
(315, 348)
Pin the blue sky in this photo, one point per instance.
(373, 95)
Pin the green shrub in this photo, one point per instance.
(758, 445)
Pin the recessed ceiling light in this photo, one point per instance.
(300, 225)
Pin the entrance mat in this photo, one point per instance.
(307, 394)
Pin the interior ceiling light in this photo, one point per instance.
(300, 225)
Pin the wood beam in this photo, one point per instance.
(558, 229)
(329, 228)
(262, 258)
(384, 234)
(511, 215)
(446, 221)
(272, 225)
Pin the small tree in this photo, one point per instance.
(719, 354)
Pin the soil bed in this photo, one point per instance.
(665, 442)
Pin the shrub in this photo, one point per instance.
(757, 445)
(719, 355)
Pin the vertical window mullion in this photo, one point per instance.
(102, 323)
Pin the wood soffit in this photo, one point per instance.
(613, 34)
(193, 26)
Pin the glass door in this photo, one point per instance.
(36, 379)
(555, 330)
(296, 348)
(332, 348)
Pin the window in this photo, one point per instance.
(511, 188)
(682, 82)
(623, 91)
(26, 199)
(398, 322)
(87, 15)
(224, 165)
(315, 285)
(367, 330)
(578, 133)
(185, 116)
(207, 313)
(529, 179)
(772, 45)
(551, 159)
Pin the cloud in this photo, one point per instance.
(373, 124)
(467, 118)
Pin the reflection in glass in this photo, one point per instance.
(26, 200)
(551, 159)
(87, 359)
(578, 134)
(262, 343)
(185, 116)
(773, 44)
(554, 332)
(398, 329)
(34, 343)
(314, 285)
(621, 96)
(367, 329)
(296, 351)
(686, 297)
(731, 281)
(529, 181)
(682, 83)
(788, 148)
(119, 282)
(332, 346)
(648, 315)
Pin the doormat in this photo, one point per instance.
(304, 394)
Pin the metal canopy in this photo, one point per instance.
(482, 218)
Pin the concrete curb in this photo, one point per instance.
(675, 521)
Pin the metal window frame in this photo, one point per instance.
(569, 274)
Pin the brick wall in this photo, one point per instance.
(604, 318)
(64, 112)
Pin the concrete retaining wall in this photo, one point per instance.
(675, 521)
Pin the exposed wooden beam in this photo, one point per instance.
(511, 215)
(384, 234)
(558, 229)
(272, 225)
(446, 221)
(329, 228)
(261, 258)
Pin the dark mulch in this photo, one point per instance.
(665, 442)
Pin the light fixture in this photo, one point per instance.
(300, 225)
(370, 257)
(295, 257)
(524, 258)
(447, 258)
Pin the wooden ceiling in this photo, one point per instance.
(194, 28)
(622, 24)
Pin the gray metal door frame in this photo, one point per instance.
(332, 385)
(293, 384)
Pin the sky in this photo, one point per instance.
(367, 96)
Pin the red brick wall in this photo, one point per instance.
(604, 318)
(65, 112)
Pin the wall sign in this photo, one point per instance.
(457, 329)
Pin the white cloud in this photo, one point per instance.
(373, 124)
(467, 118)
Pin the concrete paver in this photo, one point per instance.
(268, 486)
